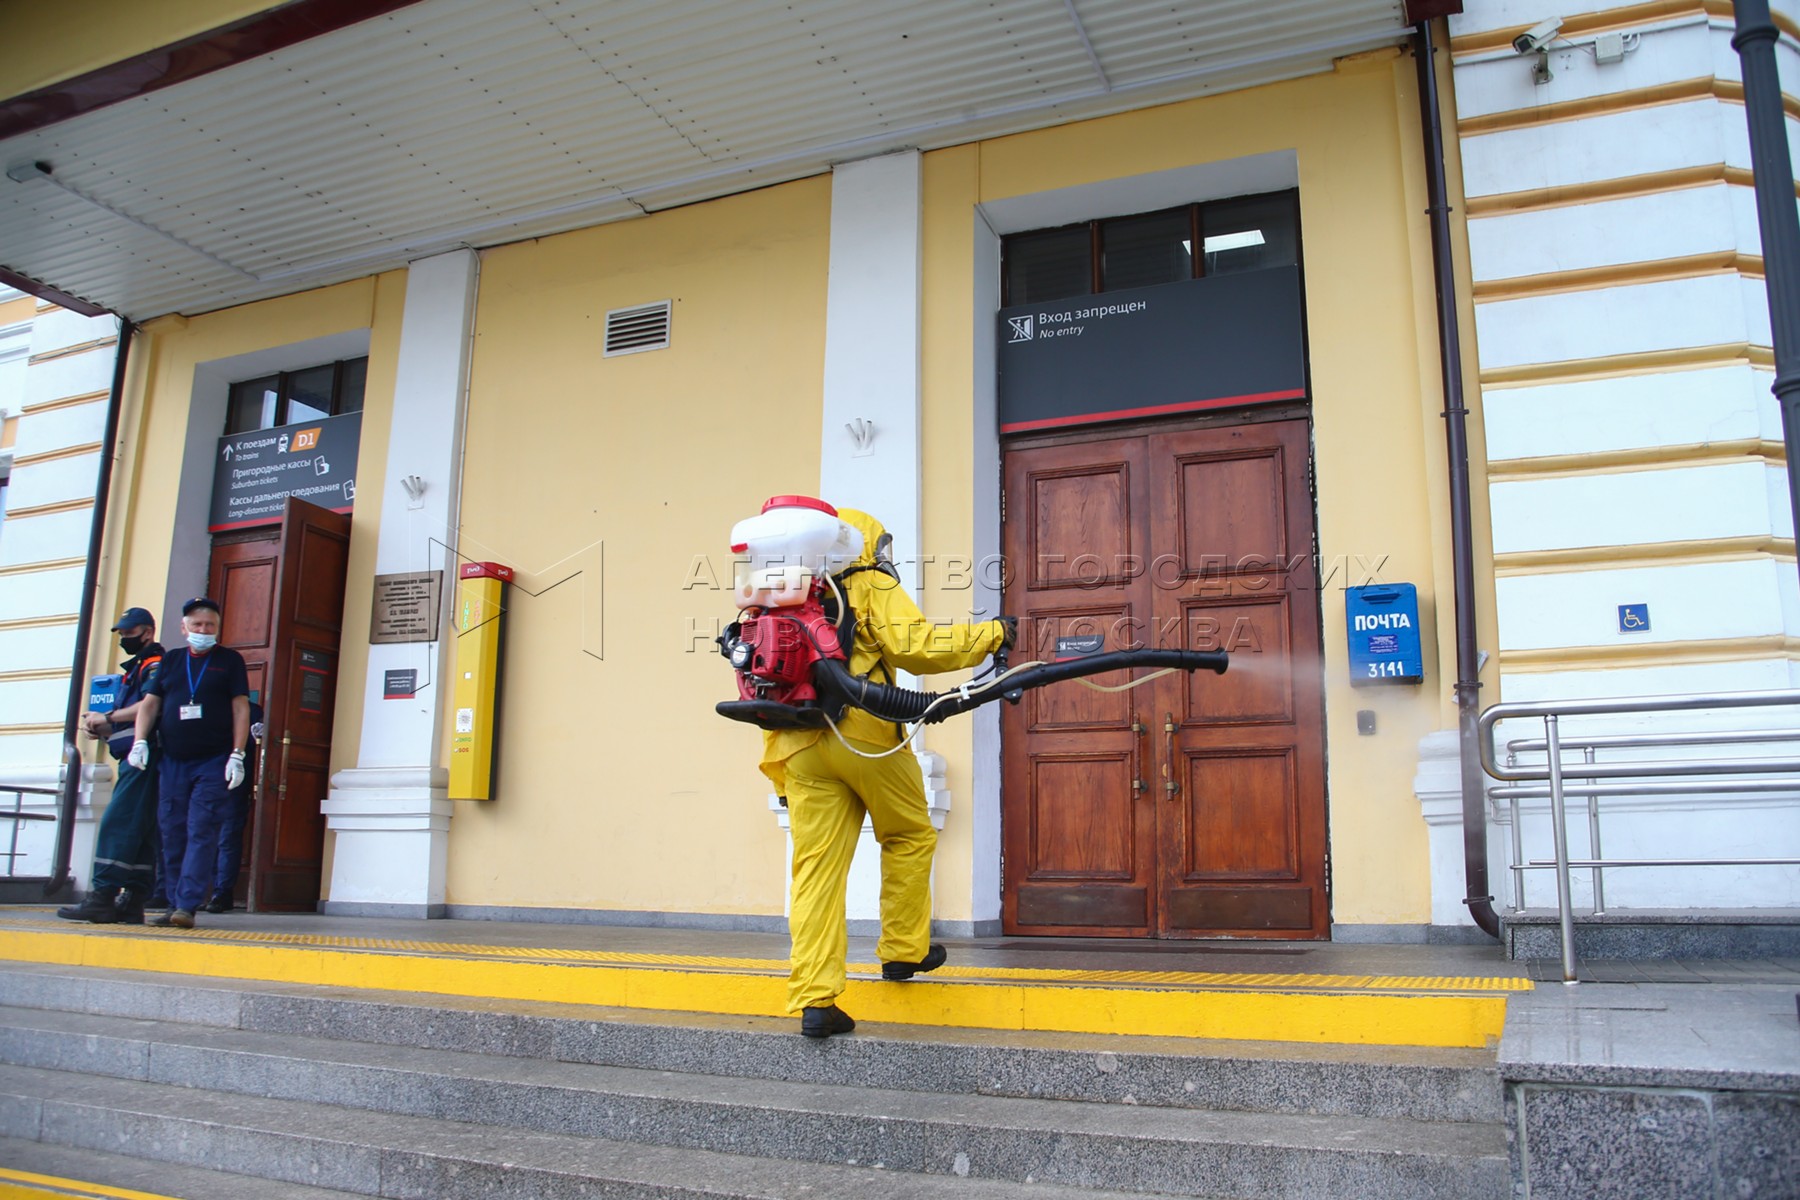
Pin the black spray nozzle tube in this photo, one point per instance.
(834, 681)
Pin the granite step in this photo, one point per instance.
(1410, 1083)
(1656, 935)
(1080, 1144)
(411, 1158)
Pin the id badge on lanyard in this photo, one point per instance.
(191, 711)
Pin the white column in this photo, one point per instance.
(869, 443)
(1437, 784)
(390, 812)
(872, 349)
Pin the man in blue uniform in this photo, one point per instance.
(199, 703)
(125, 846)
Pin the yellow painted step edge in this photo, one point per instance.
(1345, 1019)
(1279, 980)
(24, 1185)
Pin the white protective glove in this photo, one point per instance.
(140, 754)
(234, 770)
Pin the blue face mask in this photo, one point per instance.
(202, 642)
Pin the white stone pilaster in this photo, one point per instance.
(869, 444)
(390, 813)
(872, 320)
(393, 838)
(1438, 786)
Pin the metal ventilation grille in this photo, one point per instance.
(629, 330)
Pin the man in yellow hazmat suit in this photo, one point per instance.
(830, 785)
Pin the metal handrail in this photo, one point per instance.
(1617, 740)
(1533, 781)
(12, 851)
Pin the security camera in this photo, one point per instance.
(1538, 36)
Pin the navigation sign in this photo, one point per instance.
(406, 607)
(257, 471)
(1143, 352)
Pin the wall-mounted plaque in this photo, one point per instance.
(406, 607)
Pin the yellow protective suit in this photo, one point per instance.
(829, 788)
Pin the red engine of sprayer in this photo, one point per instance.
(774, 649)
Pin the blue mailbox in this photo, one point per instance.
(103, 692)
(1383, 620)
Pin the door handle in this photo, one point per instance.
(1138, 730)
(281, 789)
(1171, 788)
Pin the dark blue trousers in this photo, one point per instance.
(193, 806)
(125, 845)
(231, 840)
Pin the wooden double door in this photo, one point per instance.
(282, 591)
(1192, 805)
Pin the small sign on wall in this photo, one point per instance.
(315, 666)
(1634, 618)
(406, 607)
(400, 685)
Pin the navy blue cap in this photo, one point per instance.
(133, 618)
(201, 602)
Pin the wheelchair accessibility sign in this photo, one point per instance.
(1634, 618)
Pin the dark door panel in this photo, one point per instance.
(283, 592)
(1192, 805)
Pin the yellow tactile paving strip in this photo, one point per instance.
(1278, 1006)
(1272, 979)
(23, 1185)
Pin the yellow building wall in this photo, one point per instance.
(611, 486)
(153, 431)
(19, 308)
(618, 787)
(42, 46)
(1382, 504)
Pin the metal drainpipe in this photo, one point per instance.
(1771, 163)
(84, 624)
(1468, 686)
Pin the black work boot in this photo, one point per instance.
(129, 907)
(220, 902)
(896, 971)
(97, 907)
(825, 1021)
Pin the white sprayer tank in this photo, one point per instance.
(783, 547)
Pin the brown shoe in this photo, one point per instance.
(176, 918)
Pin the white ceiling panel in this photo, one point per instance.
(476, 122)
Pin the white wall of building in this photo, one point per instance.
(57, 389)
(1623, 341)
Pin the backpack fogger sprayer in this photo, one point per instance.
(790, 645)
